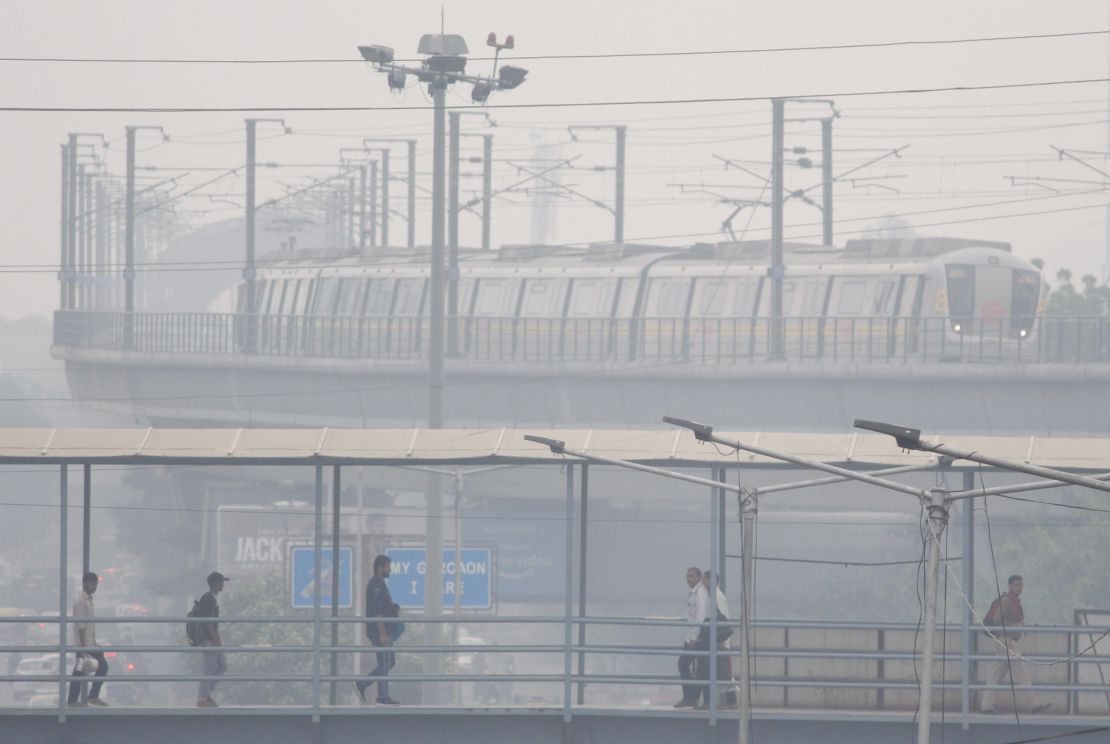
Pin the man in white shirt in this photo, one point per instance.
(697, 609)
(84, 631)
(724, 635)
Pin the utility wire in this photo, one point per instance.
(599, 55)
(565, 104)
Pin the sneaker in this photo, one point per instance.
(360, 691)
(389, 702)
(1039, 709)
(207, 703)
(684, 704)
(78, 704)
(98, 701)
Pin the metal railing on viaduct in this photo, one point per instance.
(597, 340)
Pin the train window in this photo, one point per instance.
(743, 301)
(324, 301)
(667, 298)
(379, 296)
(592, 298)
(1026, 293)
(289, 307)
(813, 299)
(279, 298)
(625, 305)
(496, 297)
(961, 290)
(850, 299)
(711, 294)
(410, 292)
(350, 297)
(543, 298)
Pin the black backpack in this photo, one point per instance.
(194, 629)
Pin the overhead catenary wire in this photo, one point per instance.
(555, 105)
(572, 56)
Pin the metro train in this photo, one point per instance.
(880, 297)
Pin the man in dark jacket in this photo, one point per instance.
(379, 606)
(215, 663)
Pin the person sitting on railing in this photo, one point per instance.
(379, 606)
(697, 609)
(1006, 614)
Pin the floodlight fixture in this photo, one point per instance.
(480, 92)
(377, 54)
(558, 447)
(906, 438)
(396, 79)
(509, 77)
(702, 432)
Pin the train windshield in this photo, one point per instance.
(1026, 295)
(961, 296)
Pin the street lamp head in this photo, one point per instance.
(906, 438)
(491, 40)
(702, 432)
(557, 446)
(377, 54)
(509, 77)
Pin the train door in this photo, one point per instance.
(710, 329)
(806, 327)
(905, 326)
(588, 324)
(409, 320)
(664, 328)
(540, 317)
(488, 331)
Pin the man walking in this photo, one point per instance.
(697, 609)
(85, 631)
(215, 663)
(724, 635)
(379, 606)
(1006, 614)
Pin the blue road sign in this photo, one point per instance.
(406, 583)
(303, 572)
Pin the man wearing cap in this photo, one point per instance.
(215, 664)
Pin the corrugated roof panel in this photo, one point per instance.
(95, 442)
(24, 442)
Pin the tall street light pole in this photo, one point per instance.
(444, 63)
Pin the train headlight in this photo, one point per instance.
(1023, 333)
(957, 327)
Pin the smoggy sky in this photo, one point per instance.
(952, 180)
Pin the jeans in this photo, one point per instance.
(387, 659)
(214, 665)
(101, 670)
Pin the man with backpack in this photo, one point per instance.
(1003, 618)
(207, 634)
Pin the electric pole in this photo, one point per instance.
(778, 109)
(826, 181)
(620, 131)
(487, 188)
(454, 134)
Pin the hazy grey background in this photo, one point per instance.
(667, 143)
